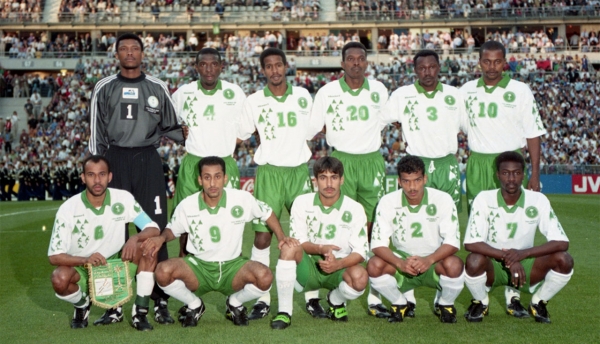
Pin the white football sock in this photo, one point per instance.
(451, 288)
(75, 298)
(178, 290)
(285, 276)
(509, 293)
(373, 298)
(388, 287)
(263, 257)
(313, 294)
(145, 283)
(249, 292)
(552, 284)
(344, 293)
(477, 287)
(410, 296)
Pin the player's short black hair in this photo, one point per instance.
(129, 35)
(411, 164)
(208, 51)
(269, 52)
(95, 159)
(490, 46)
(351, 45)
(328, 164)
(425, 53)
(211, 161)
(509, 156)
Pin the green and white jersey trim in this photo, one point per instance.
(215, 234)
(418, 230)
(504, 227)
(344, 224)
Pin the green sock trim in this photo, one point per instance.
(82, 302)
(142, 301)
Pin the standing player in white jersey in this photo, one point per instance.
(502, 116)
(500, 236)
(211, 109)
(215, 218)
(90, 229)
(427, 110)
(349, 108)
(422, 223)
(332, 230)
(281, 115)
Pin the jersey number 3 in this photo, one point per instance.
(129, 111)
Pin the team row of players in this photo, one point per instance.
(353, 110)
(325, 248)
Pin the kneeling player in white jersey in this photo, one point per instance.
(423, 225)
(214, 220)
(500, 236)
(88, 229)
(332, 230)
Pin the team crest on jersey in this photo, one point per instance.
(431, 210)
(130, 93)
(117, 208)
(228, 94)
(450, 100)
(509, 97)
(375, 97)
(237, 211)
(302, 102)
(347, 217)
(153, 101)
(531, 212)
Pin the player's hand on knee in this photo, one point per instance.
(512, 256)
(291, 242)
(130, 249)
(406, 267)
(96, 259)
(517, 275)
(152, 245)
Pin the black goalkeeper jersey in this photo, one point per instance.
(131, 113)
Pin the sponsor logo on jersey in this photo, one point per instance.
(431, 210)
(237, 211)
(531, 212)
(375, 97)
(228, 94)
(130, 93)
(509, 97)
(347, 217)
(302, 102)
(117, 208)
(153, 101)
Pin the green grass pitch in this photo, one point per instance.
(30, 313)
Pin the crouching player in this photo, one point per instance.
(214, 220)
(332, 230)
(423, 225)
(500, 237)
(90, 229)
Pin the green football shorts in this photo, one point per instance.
(443, 174)
(311, 277)
(215, 276)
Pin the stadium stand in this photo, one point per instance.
(551, 44)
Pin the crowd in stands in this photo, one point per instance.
(442, 9)
(88, 11)
(21, 10)
(54, 137)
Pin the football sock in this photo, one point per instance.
(145, 284)
(178, 290)
(552, 284)
(77, 298)
(410, 296)
(285, 275)
(451, 288)
(313, 294)
(477, 287)
(509, 293)
(343, 293)
(263, 257)
(249, 292)
(388, 287)
(373, 298)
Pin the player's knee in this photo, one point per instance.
(264, 277)
(60, 280)
(563, 262)
(262, 240)
(163, 273)
(453, 266)
(289, 253)
(475, 263)
(360, 278)
(375, 267)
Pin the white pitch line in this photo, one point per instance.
(28, 211)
